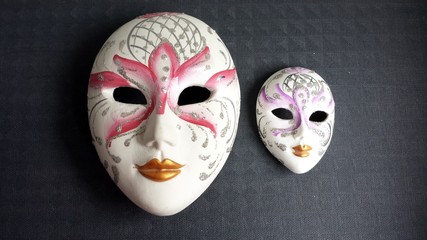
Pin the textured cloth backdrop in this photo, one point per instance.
(371, 184)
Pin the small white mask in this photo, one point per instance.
(164, 147)
(295, 116)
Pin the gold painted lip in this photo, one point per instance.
(302, 151)
(159, 171)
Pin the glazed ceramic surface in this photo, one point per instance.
(166, 146)
(295, 116)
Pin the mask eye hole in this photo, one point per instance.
(283, 113)
(193, 94)
(129, 95)
(318, 116)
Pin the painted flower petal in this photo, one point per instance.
(134, 72)
(107, 79)
(285, 101)
(221, 79)
(122, 125)
(189, 117)
(163, 62)
(197, 65)
(324, 99)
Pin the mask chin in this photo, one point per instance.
(163, 114)
(295, 117)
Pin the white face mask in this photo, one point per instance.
(295, 117)
(164, 147)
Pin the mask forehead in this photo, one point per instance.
(178, 29)
(299, 139)
(154, 151)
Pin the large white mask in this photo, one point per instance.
(295, 116)
(163, 105)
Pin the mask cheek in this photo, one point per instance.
(215, 118)
(322, 134)
(276, 121)
(276, 134)
(213, 115)
(116, 124)
(282, 128)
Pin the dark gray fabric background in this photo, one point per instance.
(371, 184)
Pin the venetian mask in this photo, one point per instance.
(295, 116)
(163, 106)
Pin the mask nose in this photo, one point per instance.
(302, 134)
(302, 149)
(160, 130)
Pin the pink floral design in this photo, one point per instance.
(284, 101)
(162, 78)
